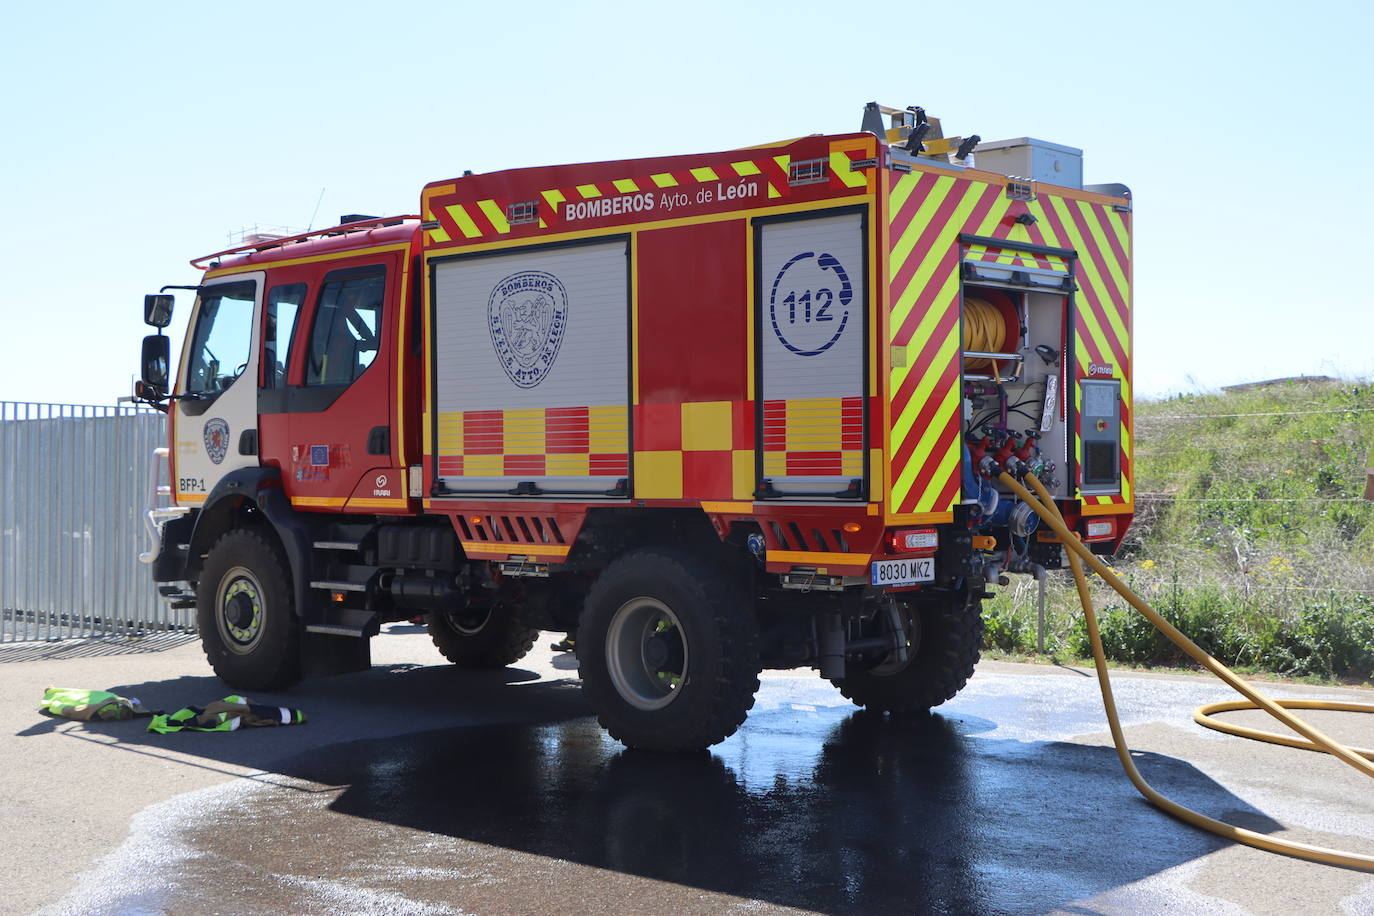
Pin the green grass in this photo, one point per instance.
(1250, 537)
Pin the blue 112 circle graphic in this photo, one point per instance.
(807, 313)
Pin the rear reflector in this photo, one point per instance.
(913, 540)
(1100, 530)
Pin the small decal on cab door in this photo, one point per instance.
(216, 438)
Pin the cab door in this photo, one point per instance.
(214, 416)
(340, 391)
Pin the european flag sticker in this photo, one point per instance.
(319, 456)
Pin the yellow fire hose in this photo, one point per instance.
(1045, 507)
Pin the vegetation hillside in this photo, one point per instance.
(1251, 536)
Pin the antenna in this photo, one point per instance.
(318, 200)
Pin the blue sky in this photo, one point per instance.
(139, 136)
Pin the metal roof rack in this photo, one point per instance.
(375, 222)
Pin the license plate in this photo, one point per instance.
(903, 572)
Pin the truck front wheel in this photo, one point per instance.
(244, 608)
(485, 637)
(668, 650)
(942, 648)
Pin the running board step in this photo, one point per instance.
(338, 545)
(340, 586)
(335, 629)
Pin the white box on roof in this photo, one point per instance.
(1038, 160)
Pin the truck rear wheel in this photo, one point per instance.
(943, 647)
(668, 650)
(490, 637)
(244, 608)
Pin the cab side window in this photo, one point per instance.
(222, 338)
(283, 305)
(347, 329)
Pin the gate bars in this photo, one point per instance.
(73, 488)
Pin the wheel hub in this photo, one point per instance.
(646, 653)
(663, 653)
(238, 611)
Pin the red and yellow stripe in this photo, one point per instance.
(1100, 233)
(927, 211)
(535, 442)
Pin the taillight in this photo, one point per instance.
(1102, 529)
(913, 540)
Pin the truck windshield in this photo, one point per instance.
(222, 338)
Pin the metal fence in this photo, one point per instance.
(76, 482)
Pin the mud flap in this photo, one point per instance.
(325, 655)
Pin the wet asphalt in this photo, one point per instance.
(418, 788)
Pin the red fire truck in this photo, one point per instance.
(709, 413)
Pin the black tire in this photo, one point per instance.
(246, 613)
(943, 649)
(668, 650)
(490, 637)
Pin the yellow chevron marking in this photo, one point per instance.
(554, 199)
(1090, 214)
(946, 468)
(840, 165)
(783, 162)
(1088, 326)
(745, 168)
(1118, 223)
(922, 455)
(1037, 209)
(664, 180)
(945, 300)
(999, 209)
(705, 173)
(588, 191)
(943, 240)
(772, 191)
(465, 223)
(1086, 322)
(1019, 233)
(1090, 271)
(918, 223)
(493, 213)
(439, 235)
(902, 190)
(625, 185)
(943, 357)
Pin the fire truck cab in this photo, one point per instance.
(710, 413)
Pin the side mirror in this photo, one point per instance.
(157, 359)
(157, 310)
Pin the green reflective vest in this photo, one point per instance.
(89, 705)
(226, 715)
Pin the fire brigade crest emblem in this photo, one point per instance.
(527, 315)
(216, 439)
